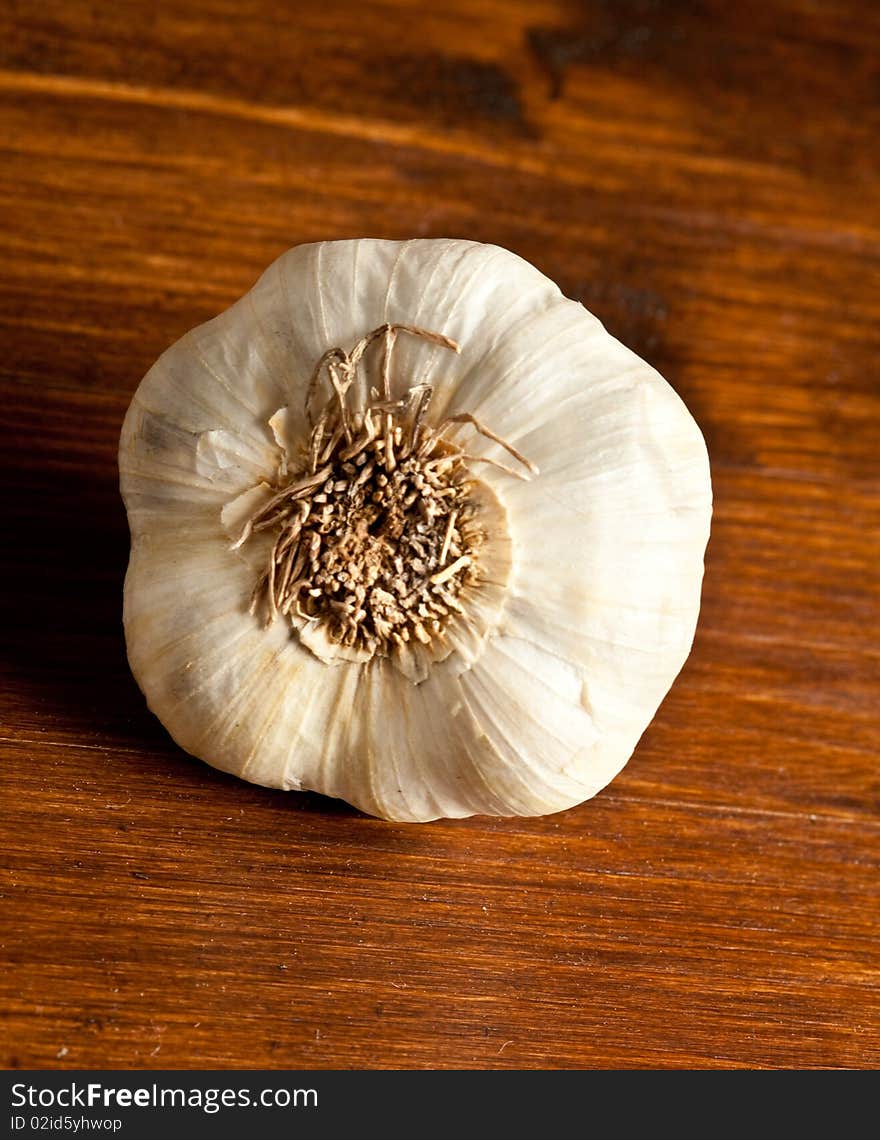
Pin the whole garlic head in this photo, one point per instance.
(411, 529)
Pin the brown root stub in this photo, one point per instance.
(378, 535)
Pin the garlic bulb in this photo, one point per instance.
(411, 529)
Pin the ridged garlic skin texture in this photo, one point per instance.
(607, 542)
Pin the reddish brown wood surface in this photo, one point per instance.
(704, 177)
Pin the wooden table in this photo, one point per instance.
(705, 178)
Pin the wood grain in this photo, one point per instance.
(705, 178)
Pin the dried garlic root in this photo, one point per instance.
(409, 528)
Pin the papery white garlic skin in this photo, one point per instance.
(543, 708)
